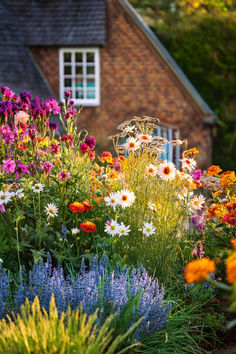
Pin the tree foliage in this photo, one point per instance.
(200, 35)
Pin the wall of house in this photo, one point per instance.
(134, 81)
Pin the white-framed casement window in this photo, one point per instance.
(80, 74)
(170, 153)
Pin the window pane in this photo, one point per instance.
(67, 57)
(79, 94)
(79, 70)
(68, 82)
(90, 70)
(67, 70)
(90, 83)
(90, 94)
(79, 82)
(90, 58)
(78, 57)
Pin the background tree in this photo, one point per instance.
(201, 36)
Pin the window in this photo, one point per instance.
(79, 74)
(170, 153)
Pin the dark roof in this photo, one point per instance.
(26, 23)
(61, 22)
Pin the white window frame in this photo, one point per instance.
(166, 131)
(80, 101)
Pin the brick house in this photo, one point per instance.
(114, 65)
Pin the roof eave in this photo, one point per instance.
(169, 60)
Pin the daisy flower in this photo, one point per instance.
(144, 138)
(51, 210)
(148, 229)
(151, 170)
(129, 129)
(167, 170)
(123, 230)
(152, 206)
(19, 193)
(189, 164)
(132, 144)
(37, 188)
(197, 202)
(111, 200)
(5, 197)
(75, 231)
(112, 227)
(125, 198)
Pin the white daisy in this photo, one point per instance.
(125, 198)
(189, 164)
(185, 194)
(166, 170)
(129, 129)
(51, 210)
(37, 188)
(148, 229)
(132, 144)
(5, 197)
(75, 231)
(112, 227)
(152, 206)
(197, 202)
(151, 170)
(123, 230)
(144, 138)
(111, 200)
(19, 193)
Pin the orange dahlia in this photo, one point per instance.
(198, 270)
(88, 226)
(77, 207)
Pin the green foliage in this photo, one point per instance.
(35, 331)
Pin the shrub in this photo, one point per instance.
(36, 331)
(132, 294)
(4, 290)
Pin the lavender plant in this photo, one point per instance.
(131, 294)
(4, 290)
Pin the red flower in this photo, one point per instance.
(88, 226)
(230, 218)
(77, 207)
(87, 206)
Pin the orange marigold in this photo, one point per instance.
(190, 152)
(233, 243)
(88, 226)
(227, 178)
(231, 269)
(77, 207)
(216, 211)
(213, 170)
(87, 205)
(198, 270)
(217, 193)
(106, 156)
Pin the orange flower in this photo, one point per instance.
(227, 178)
(231, 269)
(230, 206)
(190, 153)
(87, 205)
(214, 170)
(88, 226)
(77, 207)
(106, 157)
(233, 243)
(217, 193)
(198, 270)
(230, 218)
(216, 211)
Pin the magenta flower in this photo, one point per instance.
(90, 141)
(63, 175)
(47, 167)
(84, 148)
(9, 166)
(22, 169)
(197, 174)
(67, 94)
(55, 149)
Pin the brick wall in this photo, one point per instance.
(134, 81)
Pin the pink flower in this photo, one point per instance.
(21, 117)
(47, 167)
(84, 148)
(2, 209)
(63, 175)
(9, 166)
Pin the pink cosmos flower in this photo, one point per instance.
(63, 175)
(21, 117)
(9, 166)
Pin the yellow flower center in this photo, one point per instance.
(112, 227)
(151, 170)
(112, 200)
(51, 210)
(148, 229)
(3, 197)
(36, 187)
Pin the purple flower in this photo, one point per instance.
(52, 105)
(90, 141)
(71, 103)
(63, 175)
(22, 169)
(7, 93)
(52, 125)
(9, 166)
(67, 94)
(197, 174)
(7, 135)
(32, 169)
(84, 148)
(47, 167)
(25, 97)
